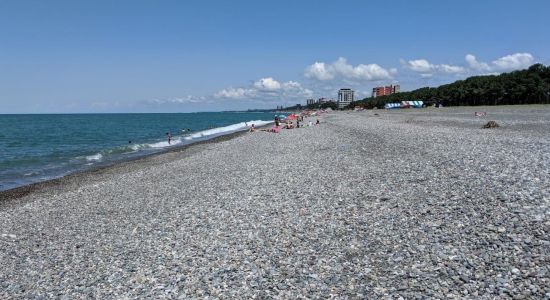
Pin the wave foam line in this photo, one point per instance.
(226, 129)
(177, 140)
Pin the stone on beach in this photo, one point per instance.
(491, 124)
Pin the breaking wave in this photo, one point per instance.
(177, 140)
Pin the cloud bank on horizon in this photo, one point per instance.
(266, 89)
(510, 62)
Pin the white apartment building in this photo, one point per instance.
(345, 97)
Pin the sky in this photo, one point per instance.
(100, 56)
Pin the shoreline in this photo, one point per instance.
(37, 187)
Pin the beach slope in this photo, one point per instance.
(377, 204)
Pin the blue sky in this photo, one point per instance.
(184, 56)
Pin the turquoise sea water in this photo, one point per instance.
(40, 147)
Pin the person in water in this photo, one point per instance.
(169, 136)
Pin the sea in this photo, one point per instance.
(35, 148)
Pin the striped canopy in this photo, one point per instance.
(392, 105)
(405, 104)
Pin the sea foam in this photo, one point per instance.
(95, 157)
(226, 129)
(176, 140)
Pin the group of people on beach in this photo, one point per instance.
(288, 124)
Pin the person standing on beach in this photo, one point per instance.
(169, 136)
(277, 121)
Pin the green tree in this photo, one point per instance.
(330, 104)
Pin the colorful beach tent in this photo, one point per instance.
(392, 105)
(412, 103)
(405, 104)
(416, 103)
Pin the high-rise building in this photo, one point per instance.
(310, 101)
(345, 97)
(396, 89)
(385, 90)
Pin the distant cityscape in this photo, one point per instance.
(385, 90)
(346, 96)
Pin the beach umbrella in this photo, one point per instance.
(291, 117)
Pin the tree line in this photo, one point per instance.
(530, 86)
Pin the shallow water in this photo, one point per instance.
(39, 147)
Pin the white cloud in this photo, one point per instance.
(267, 84)
(235, 93)
(318, 71)
(506, 63)
(295, 89)
(290, 85)
(177, 100)
(424, 67)
(510, 62)
(267, 89)
(341, 68)
(514, 61)
(450, 69)
(418, 65)
(474, 64)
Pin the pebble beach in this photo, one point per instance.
(400, 204)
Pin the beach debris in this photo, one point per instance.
(480, 114)
(9, 236)
(491, 124)
(376, 114)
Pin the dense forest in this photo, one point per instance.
(530, 86)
